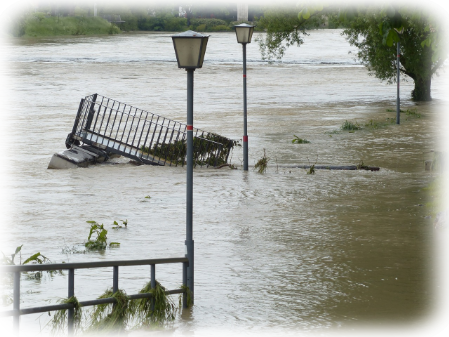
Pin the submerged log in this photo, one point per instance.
(333, 167)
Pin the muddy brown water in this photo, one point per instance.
(281, 251)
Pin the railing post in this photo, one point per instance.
(16, 303)
(184, 283)
(153, 283)
(115, 280)
(90, 115)
(71, 293)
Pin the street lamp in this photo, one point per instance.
(244, 33)
(190, 48)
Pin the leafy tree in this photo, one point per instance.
(393, 17)
(13, 15)
(374, 31)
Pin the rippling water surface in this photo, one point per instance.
(282, 251)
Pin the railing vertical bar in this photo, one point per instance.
(91, 112)
(137, 127)
(71, 293)
(153, 283)
(102, 118)
(120, 123)
(126, 123)
(113, 123)
(16, 299)
(98, 113)
(146, 137)
(115, 279)
(141, 133)
(111, 109)
(152, 137)
(131, 127)
(184, 283)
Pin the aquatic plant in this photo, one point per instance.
(9, 261)
(440, 161)
(298, 140)
(350, 126)
(123, 225)
(262, 163)
(99, 241)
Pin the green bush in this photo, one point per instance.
(221, 28)
(201, 28)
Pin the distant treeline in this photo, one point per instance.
(152, 15)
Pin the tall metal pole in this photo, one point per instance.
(398, 99)
(189, 211)
(245, 131)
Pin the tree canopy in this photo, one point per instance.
(374, 30)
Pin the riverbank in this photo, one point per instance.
(40, 25)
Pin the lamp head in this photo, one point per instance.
(190, 48)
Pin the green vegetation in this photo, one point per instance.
(262, 163)
(206, 151)
(298, 140)
(440, 161)
(375, 31)
(350, 126)
(9, 261)
(111, 317)
(155, 311)
(439, 190)
(123, 225)
(97, 239)
(59, 321)
(39, 24)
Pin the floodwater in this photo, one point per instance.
(277, 252)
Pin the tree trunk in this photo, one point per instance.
(422, 89)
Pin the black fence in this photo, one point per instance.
(143, 136)
(71, 267)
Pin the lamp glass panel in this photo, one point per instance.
(188, 51)
(203, 50)
(242, 34)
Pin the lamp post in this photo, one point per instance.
(190, 48)
(398, 55)
(244, 33)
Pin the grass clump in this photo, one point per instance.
(298, 140)
(60, 318)
(439, 190)
(111, 316)
(440, 161)
(262, 163)
(156, 310)
(350, 126)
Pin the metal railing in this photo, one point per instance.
(143, 136)
(16, 312)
